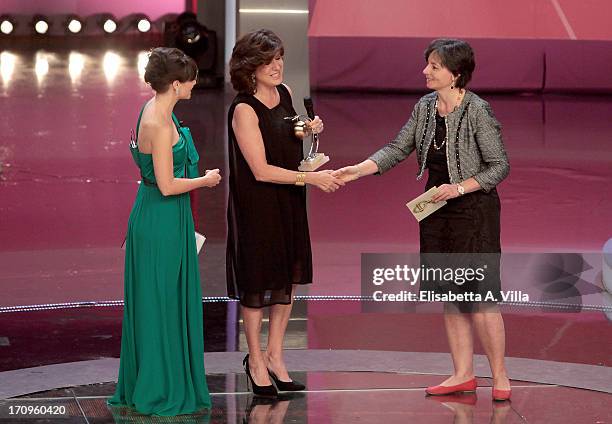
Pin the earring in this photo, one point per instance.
(176, 90)
(452, 85)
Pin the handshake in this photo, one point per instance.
(330, 180)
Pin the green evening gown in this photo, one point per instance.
(162, 345)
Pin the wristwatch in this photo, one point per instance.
(460, 189)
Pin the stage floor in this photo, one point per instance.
(343, 397)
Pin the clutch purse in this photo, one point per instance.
(422, 206)
(200, 239)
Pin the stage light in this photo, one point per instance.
(197, 41)
(109, 26)
(41, 25)
(136, 22)
(74, 25)
(144, 25)
(190, 32)
(6, 25)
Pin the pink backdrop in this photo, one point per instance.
(539, 19)
(520, 45)
(153, 8)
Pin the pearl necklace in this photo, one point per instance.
(435, 146)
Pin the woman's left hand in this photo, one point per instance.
(316, 125)
(445, 192)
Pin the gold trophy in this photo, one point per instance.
(302, 129)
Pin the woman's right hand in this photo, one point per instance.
(348, 173)
(324, 180)
(211, 178)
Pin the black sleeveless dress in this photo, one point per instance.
(268, 243)
(466, 230)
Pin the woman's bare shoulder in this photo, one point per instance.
(244, 113)
(155, 129)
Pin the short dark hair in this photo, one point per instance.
(456, 55)
(251, 51)
(168, 64)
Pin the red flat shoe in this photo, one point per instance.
(468, 386)
(501, 395)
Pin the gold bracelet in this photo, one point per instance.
(300, 179)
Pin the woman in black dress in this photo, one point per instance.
(458, 139)
(268, 244)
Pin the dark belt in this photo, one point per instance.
(148, 182)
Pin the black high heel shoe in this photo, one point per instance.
(267, 391)
(286, 386)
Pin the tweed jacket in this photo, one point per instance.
(474, 145)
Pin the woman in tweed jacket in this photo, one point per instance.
(457, 138)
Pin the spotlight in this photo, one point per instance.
(109, 25)
(74, 24)
(197, 41)
(6, 25)
(41, 27)
(144, 25)
(136, 22)
(191, 31)
(41, 24)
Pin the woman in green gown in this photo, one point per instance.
(162, 349)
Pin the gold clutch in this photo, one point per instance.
(422, 206)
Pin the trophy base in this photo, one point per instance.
(313, 164)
